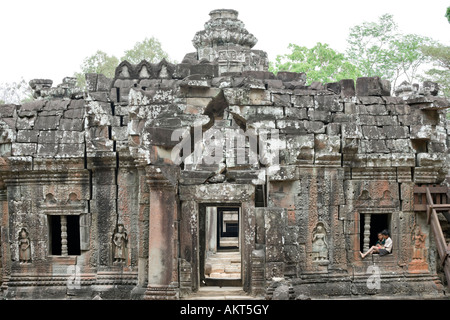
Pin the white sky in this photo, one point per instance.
(49, 38)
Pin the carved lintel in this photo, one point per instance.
(104, 160)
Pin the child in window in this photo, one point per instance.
(380, 246)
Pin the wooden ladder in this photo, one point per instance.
(432, 199)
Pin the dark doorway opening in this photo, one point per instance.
(55, 235)
(73, 235)
(227, 228)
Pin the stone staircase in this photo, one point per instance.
(223, 265)
(221, 293)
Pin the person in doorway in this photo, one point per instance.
(382, 247)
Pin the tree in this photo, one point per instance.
(447, 14)
(370, 47)
(149, 49)
(100, 62)
(407, 57)
(440, 73)
(15, 92)
(379, 49)
(321, 63)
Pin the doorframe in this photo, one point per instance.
(195, 197)
(219, 225)
(202, 244)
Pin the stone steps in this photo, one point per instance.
(224, 265)
(221, 293)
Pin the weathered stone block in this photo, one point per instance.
(281, 100)
(47, 123)
(71, 124)
(296, 113)
(287, 76)
(300, 149)
(421, 132)
(47, 149)
(430, 159)
(351, 131)
(396, 132)
(328, 103)
(373, 146)
(372, 86)
(8, 110)
(23, 149)
(71, 150)
(373, 132)
(27, 136)
(347, 87)
(302, 101)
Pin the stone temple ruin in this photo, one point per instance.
(216, 172)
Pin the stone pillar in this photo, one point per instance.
(367, 217)
(103, 204)
(163, 240)
(64, 250)
(128, 206)
(5, 256)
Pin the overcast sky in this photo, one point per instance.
(49, 39)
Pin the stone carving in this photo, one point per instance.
(24, 246)
(120, 241)
(319, 244)
(124, 72)
(364, 195)
(419, 258)
(50, 199)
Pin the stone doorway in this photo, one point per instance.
(194, 201)
(221, 259)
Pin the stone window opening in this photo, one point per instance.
(370, 225)
(64, 235)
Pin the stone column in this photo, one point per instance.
(5, 256)
(367, 217)
(162, 254)
(64, 250)
(103, 204)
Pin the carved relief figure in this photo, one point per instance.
(419, 244)
(120, 240)
(319, 243)
(124, 72)
(24, 246)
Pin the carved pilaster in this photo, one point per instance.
(162, 254)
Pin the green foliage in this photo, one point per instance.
(407, 56)
(100, 62)
(447, 14)
(321, 63)
(440, 73)
(149, 49)
(379, 49)
(370, 47)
